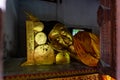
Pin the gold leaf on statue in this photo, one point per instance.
(44, 54)
(60, 37)
(63, 57)
(30, 43)
(40, 38)
(31, 38)
(38, 26)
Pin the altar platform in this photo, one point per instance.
(14, 71)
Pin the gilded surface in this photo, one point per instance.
(60, 37)
(44, 54)
(40, 38)
(30, 43)
(38, 51)
(83, 46)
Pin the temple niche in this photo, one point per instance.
(51, 39)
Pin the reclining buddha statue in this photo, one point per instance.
(58, 46)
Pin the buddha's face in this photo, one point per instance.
(60, 37)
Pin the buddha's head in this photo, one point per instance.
(60, 37)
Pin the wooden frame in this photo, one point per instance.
(107, 23)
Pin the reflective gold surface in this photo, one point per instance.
(63, 57)
(36, 43)
(60, 37)
(44, 54)
(38, 26)
(83, 46)
(30, 43)
(40, 38)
